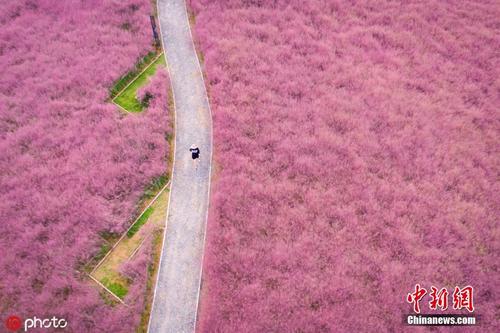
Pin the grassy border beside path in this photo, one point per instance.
(151, 280)
(140, 221)
(108, 270)
(127, 98)
(124, 80)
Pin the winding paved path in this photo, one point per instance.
(175, 301)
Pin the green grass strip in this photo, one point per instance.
(129, 77)
(140, 222)
(127, 99)
(116, 288)
(154, 187)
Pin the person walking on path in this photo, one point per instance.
(195, 151)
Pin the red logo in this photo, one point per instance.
(439, 299)
(13, 323)
(416, 297)
(463, 298)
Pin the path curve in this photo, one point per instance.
(176, 295)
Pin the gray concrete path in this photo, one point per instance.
(176, 295)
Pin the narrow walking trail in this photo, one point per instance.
(177, 288)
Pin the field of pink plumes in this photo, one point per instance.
(71, 164)
(357, 155)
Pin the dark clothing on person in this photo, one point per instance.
(195, 152)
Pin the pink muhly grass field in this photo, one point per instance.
(71, 164)
(357, 155)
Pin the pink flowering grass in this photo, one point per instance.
(72, 165)
(357, 155)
